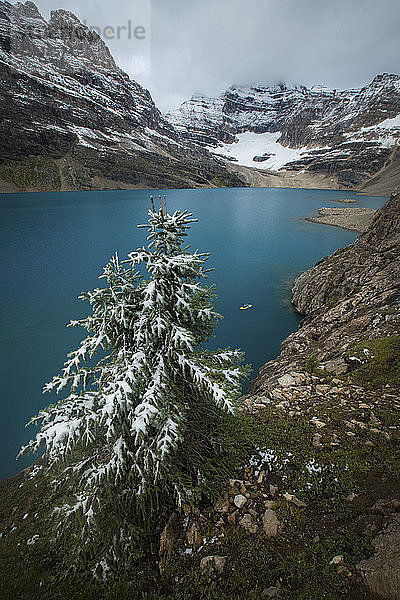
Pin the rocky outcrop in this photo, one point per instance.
(348, 296)
(381, 572)
(327, 431)
(346, 135)
(72, 119)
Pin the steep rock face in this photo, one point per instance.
(76, 120)
(348, 135)
(259, 109)
(350, 295)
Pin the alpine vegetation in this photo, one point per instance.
(146, 406)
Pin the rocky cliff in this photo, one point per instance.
(351, 295)
(72, 119)
(350, 335)
(346, 135)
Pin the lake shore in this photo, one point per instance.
(353, 219)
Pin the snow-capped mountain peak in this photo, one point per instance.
(77, 120)
(349, 134)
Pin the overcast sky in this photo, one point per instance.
(186, 47)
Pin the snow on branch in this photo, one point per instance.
(130, 377)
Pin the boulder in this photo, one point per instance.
(216, 562)
(286, 380)
(194, 537)
(337, 366)
(270, 592)
(270, 523)
(337, 560)
(381, 572)
(239, 500)
(222, 506)
(248, 523)
(294, 500)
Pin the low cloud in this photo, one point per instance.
(204, 46)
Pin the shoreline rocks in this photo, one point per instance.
(349, 296)
(353, 219)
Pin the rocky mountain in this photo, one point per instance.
(349, 296)
(348, 136)
(72, 119)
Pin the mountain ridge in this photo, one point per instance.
(78, 121)
(346, 136)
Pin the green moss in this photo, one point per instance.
(381, 358)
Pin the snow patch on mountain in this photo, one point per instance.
(250, 145)
(344, 135)
(389, 123)
(386, 134)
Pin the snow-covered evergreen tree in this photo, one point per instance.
(141, 387)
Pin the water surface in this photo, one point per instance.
(53, 246)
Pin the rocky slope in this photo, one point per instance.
(348, 296)
(348, 136)
(71, 119)
(319, 482)
(312, 510)
(350, 333)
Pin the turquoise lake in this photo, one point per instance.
(53, 246)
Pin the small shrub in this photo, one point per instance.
(312, 364)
